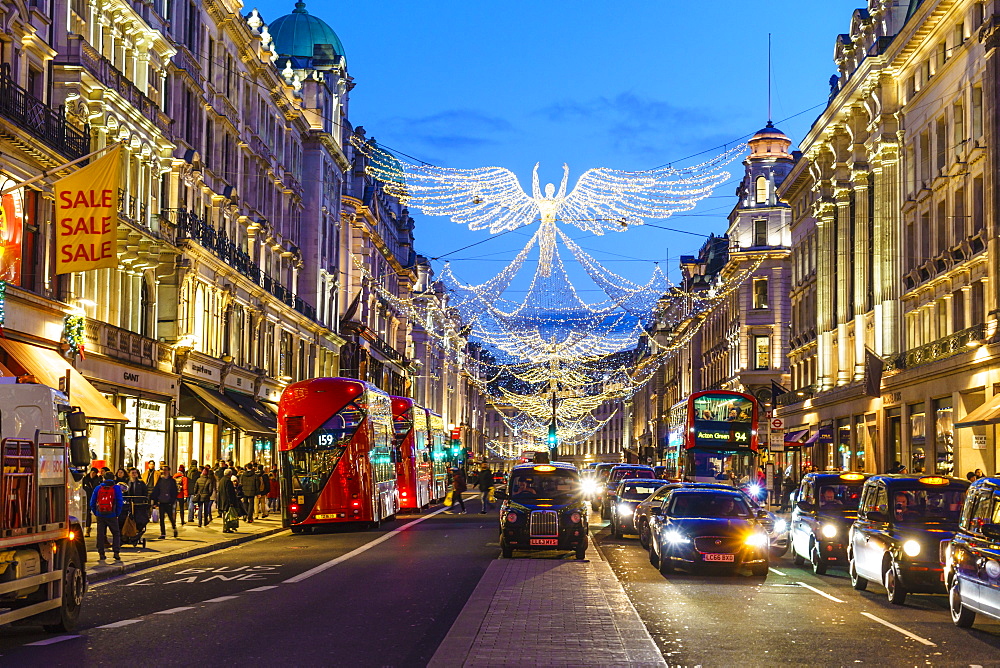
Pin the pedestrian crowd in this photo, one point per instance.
(124, 502)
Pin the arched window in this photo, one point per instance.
(145, 308)
(761, 190)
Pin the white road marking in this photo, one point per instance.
(119, 624)
(820, 592)
(906, 633)
(172, 564)
(173, 610)
(264, 588)
(776, 571)
(220, 599)
(52, 641)
(364, 548)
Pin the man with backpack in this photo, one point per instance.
(107, 504)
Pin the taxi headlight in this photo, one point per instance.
(781, 526)
(756, 540)
(829, 530)
(676, 538)
(911, 548)
(624, 510)
(589, 487)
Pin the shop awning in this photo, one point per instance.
(254, 408)
(49, 367)
(193, 407)
(988, 413)
(812, 439)
(797, 437)
(228, 410)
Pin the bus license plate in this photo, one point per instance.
(720, 557)
(544, 541)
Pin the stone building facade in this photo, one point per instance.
(894, 250)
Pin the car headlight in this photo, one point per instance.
(589, 487)
(511, 517)
(676, 538)
(781, 526)
(911, 548)
(624, 510)
(753, 490)
(756, 540)
(829, 530)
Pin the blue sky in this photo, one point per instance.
(629, 85)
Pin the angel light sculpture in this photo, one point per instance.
(492, 198)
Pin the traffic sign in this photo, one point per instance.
(777, 424)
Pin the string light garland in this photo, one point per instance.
(73, 332)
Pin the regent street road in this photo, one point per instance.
(389, 597)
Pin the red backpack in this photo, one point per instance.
(105, 500)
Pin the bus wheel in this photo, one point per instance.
(297, 530)
(73, 585)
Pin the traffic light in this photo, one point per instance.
(553, 436)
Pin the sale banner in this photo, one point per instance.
(87, 216)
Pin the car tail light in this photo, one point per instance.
(294, 508)
(356, 503)
(511, 517)
(575, 518)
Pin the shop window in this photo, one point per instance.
(762, 352)
(918, 440)
(761, 187)
(146, 431)
(760, 292)
(944, 437)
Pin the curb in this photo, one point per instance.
(115, 571)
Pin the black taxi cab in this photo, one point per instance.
(972, 559)
(897, 537)
(822, 517)
(543, 509)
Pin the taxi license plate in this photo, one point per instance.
(719, 557)
(544, 541)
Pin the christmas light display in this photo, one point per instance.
(604, 200)
(552, 354)
(73, 326)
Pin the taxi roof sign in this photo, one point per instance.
(852, 476)
(544, 468)
(934, 480)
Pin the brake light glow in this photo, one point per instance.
(544, 468)
(356, 503)
(934, 480)
(294, 508)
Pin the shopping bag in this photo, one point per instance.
(129, 529)
(232, 520)
(155, 516)
(447, 498)
(491, 497)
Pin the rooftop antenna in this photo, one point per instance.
(769, 117)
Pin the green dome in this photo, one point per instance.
(295, 34)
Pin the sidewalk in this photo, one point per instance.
(192, 540)
(548, 612)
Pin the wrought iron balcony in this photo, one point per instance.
(193, 227)
(39, 119)
(959, 342)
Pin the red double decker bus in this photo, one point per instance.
(335, 447)
(414, 476)
(439, 454)
(713, 438)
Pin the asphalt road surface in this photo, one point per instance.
(791, 617)
(380, 597)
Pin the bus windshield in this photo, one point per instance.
(313, 460)
(722, 408)
(529, 485)
(708, 504)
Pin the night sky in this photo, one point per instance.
(627, 85)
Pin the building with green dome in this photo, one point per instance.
(307, 40)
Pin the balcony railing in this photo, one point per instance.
(795, 396)
(39, 119)
(195, 228)
(121, 344)
(79, 52)
(959, 342)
